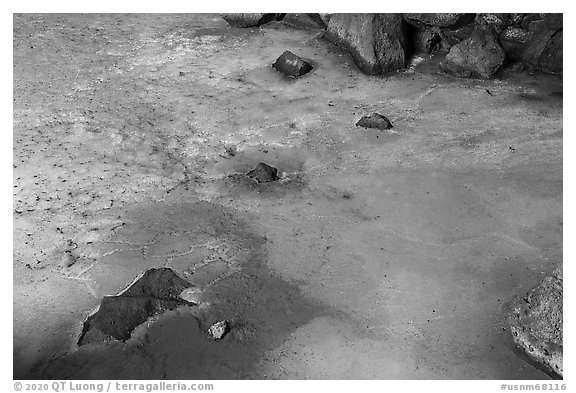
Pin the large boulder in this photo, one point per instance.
(537, 41)
(428, 33)
(250, 20)
(545, 44)
(152, 293)
(514, 40)
(449, 21)
(375, 41)
(479, 56)
(536, 323)
(305, 21)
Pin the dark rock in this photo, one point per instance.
(156, 291)
(529, 18)
(219, 330)
(479, 56)
(515, 67)
(425, 40)
(538, 43)
(291, 65)
(250, 20)
(516, 19)
(263, 173)
(448, 21)
(536, 323)
(514, 40)
(544, 48)
(305, 21)
(375, 120)
(375, 41)
(325, 18)
(449, 38)
(497, 22)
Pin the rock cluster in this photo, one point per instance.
(477, 45)
(481, 45)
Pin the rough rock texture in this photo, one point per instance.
(375, 41)
(498, 22)
(218, 330)
(479, 56)
(537, 41)
(545, 42)
(423, 39)
(536, 323)
(326, 18)
(529, 18)
(375, 120)
(428, 33)
(250, 20)
(514, 40)
(306, 21)
(291, 65)
(428, 41)
(263, 173)
(447, 20)
(156, 291)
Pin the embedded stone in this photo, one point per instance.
(291, 65)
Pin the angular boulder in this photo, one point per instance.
(514, 40)
(154, 292)
(536, 323)
(218, 330)
(375, 120)
(544, 49)
(291, 65)
(263, 173)
(305, 21)
(479, 56)
(375, 41)
(250, 20)
(537, 41)
(448, 21)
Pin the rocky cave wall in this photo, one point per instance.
(476, 45)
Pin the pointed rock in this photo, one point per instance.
(250, 20)
(263, 173)
(376, 42)
(156, 291)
